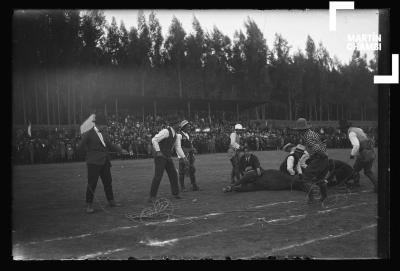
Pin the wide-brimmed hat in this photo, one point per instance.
(288, 147)
(300, 149)
(183, 123)
(238, 127)
(301, 124)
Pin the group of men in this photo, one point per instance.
(174, 138)
(306, 165)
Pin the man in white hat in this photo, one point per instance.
(233, 152)
(185, 152)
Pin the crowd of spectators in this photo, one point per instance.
(133, 134)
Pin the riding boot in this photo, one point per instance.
(323, 189)
(371, 177)
(182, 181)
(233, 176)
(356, 179)
(309, 190)
(194, 184)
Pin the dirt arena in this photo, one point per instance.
(49, 219)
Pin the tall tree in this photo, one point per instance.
(256, 51)
(156, 40)
(281, 74)
(237, 65)
(112, 43)
(144, 47)
(311, 76)
(195, 58)
(124, 42)
(175, 49)
(92, 33)
(216, 67)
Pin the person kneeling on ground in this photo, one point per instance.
(249, 169)
(255, 178)
(295, 162)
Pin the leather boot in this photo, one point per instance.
(324, 191)
(89, 208)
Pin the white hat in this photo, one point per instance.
(300, 148)
(238, 127)
(183, 123)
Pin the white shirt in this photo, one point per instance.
(300, 164)
(234, 140)
(289, 165)
(99, 135)
(178, 146)
(355, 142)
(164, 133)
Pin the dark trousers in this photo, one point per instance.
(161, 164)
(235, 174)
(94, 171)
(342, 174)
(316, 172)
(365, 165)
(190, 170)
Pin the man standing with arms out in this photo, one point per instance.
(364, 153)
(98, 161)
(317, 168)
(163, 143)
(185, 152)
(233, 152)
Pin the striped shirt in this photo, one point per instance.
(313, 142)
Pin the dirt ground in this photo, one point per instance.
(49, 219)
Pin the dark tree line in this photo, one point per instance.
(63, 60)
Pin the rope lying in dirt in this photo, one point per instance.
(162, 208)
(341, 195)
(296, 214)
(162, 211)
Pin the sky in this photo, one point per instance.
(293, 25)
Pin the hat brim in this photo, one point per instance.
(288, 146)
(302, 128)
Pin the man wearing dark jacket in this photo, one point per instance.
(97, 144)
(249, 169)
